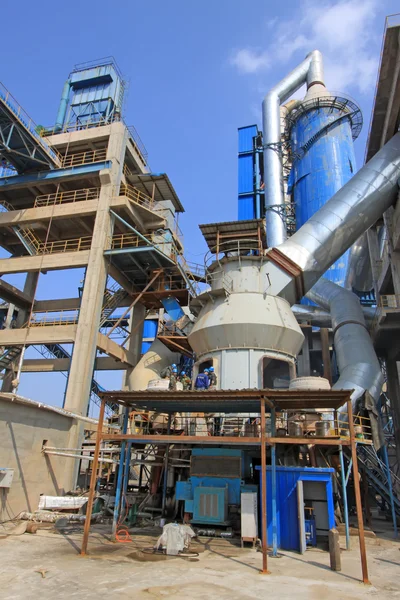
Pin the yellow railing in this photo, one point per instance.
(128, 240)
(51, 247)
(76, 127)
(84, 158)
(51, 318)
(70, 196)
(136, 196)
(389, 301)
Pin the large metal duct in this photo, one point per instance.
(310, 71)
(358, 364)
(339, 223)
(318, 317)
(150, 365)
(359, 273)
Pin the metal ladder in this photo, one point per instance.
(9, 356)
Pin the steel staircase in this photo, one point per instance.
(112, 297)
(9, 356)
(376, 473)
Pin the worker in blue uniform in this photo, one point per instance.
(202, 381)
(213, 378)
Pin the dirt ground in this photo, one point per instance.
(47, 565)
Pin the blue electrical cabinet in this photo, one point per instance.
(317, 491)
(217, 477)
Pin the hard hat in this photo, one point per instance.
(175, 370)
(173, 366)
(183, 373)
(212, 369)
(205, 370)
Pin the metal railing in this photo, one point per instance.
(84, 158)
(27, 122)
(138, 144)
(81, 195)
(136, 196)
(51, 318)
(51, 247)
(389, 301)
(129, 240)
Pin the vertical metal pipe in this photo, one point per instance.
(93, 478)
(119, 477)
(273, 486)
(258, 183)
(390, 488)
(356, 480)
(165, 480)
(344, 494)
(264, 537)
(63, 106)
(127, 463)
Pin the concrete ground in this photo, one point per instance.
(47, 566)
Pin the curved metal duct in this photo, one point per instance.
(150, 365)
(318, 317)
(310, 71)
(358, 364)
(346, 216)
(359, 273)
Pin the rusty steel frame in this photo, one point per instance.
(262, 441)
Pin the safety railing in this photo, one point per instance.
(129, 240)
(81, 195)
(138, 144)
(234, 248)
(84, 158)
(51, 318)
(52, 247)
(5, 206)
(136, 196)
(78, 126)
(27, 122)
(389, 301)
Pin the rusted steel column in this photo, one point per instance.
(93, 479)
(264, 537)
(357, 493)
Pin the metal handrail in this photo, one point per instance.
(72, 245)
(84, 158)
(388, 301)
(136, 196)
(53, 317)
(69, 196)
(26, 121)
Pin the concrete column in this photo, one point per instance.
(134, 345)
(23, 316)
(85, 346)
(84, 352)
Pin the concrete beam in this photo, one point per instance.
(57, 305)
(13, 295)
(44, 262)
(61, 334)
(61, 211)
(53, 365)
(115, 350)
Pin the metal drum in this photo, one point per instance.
(322, 428)
(295, 429)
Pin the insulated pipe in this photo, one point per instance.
(346, 216)
(318, 317)
(359, 273)
(150, 365)
(62, 110)
(310, 71)
(358, 364)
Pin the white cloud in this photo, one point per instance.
(250, 61)
(344, 31)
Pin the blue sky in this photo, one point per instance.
(197, 71)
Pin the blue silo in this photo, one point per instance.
(322, 131)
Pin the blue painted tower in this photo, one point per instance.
(322, 130)
(93, 93)
(250, 194)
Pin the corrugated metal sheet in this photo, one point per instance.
(327, 162)
(246, 207)
(286, 502)
(150, 328)
(245, 138)
(246, 174)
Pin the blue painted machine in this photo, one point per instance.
(217, 478)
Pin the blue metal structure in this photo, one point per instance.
(250, 202)
(321, 138)
(93, 93)
(216, 480)
(287, 519)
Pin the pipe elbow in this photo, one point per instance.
(315, 72)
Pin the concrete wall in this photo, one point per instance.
(22, 431)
